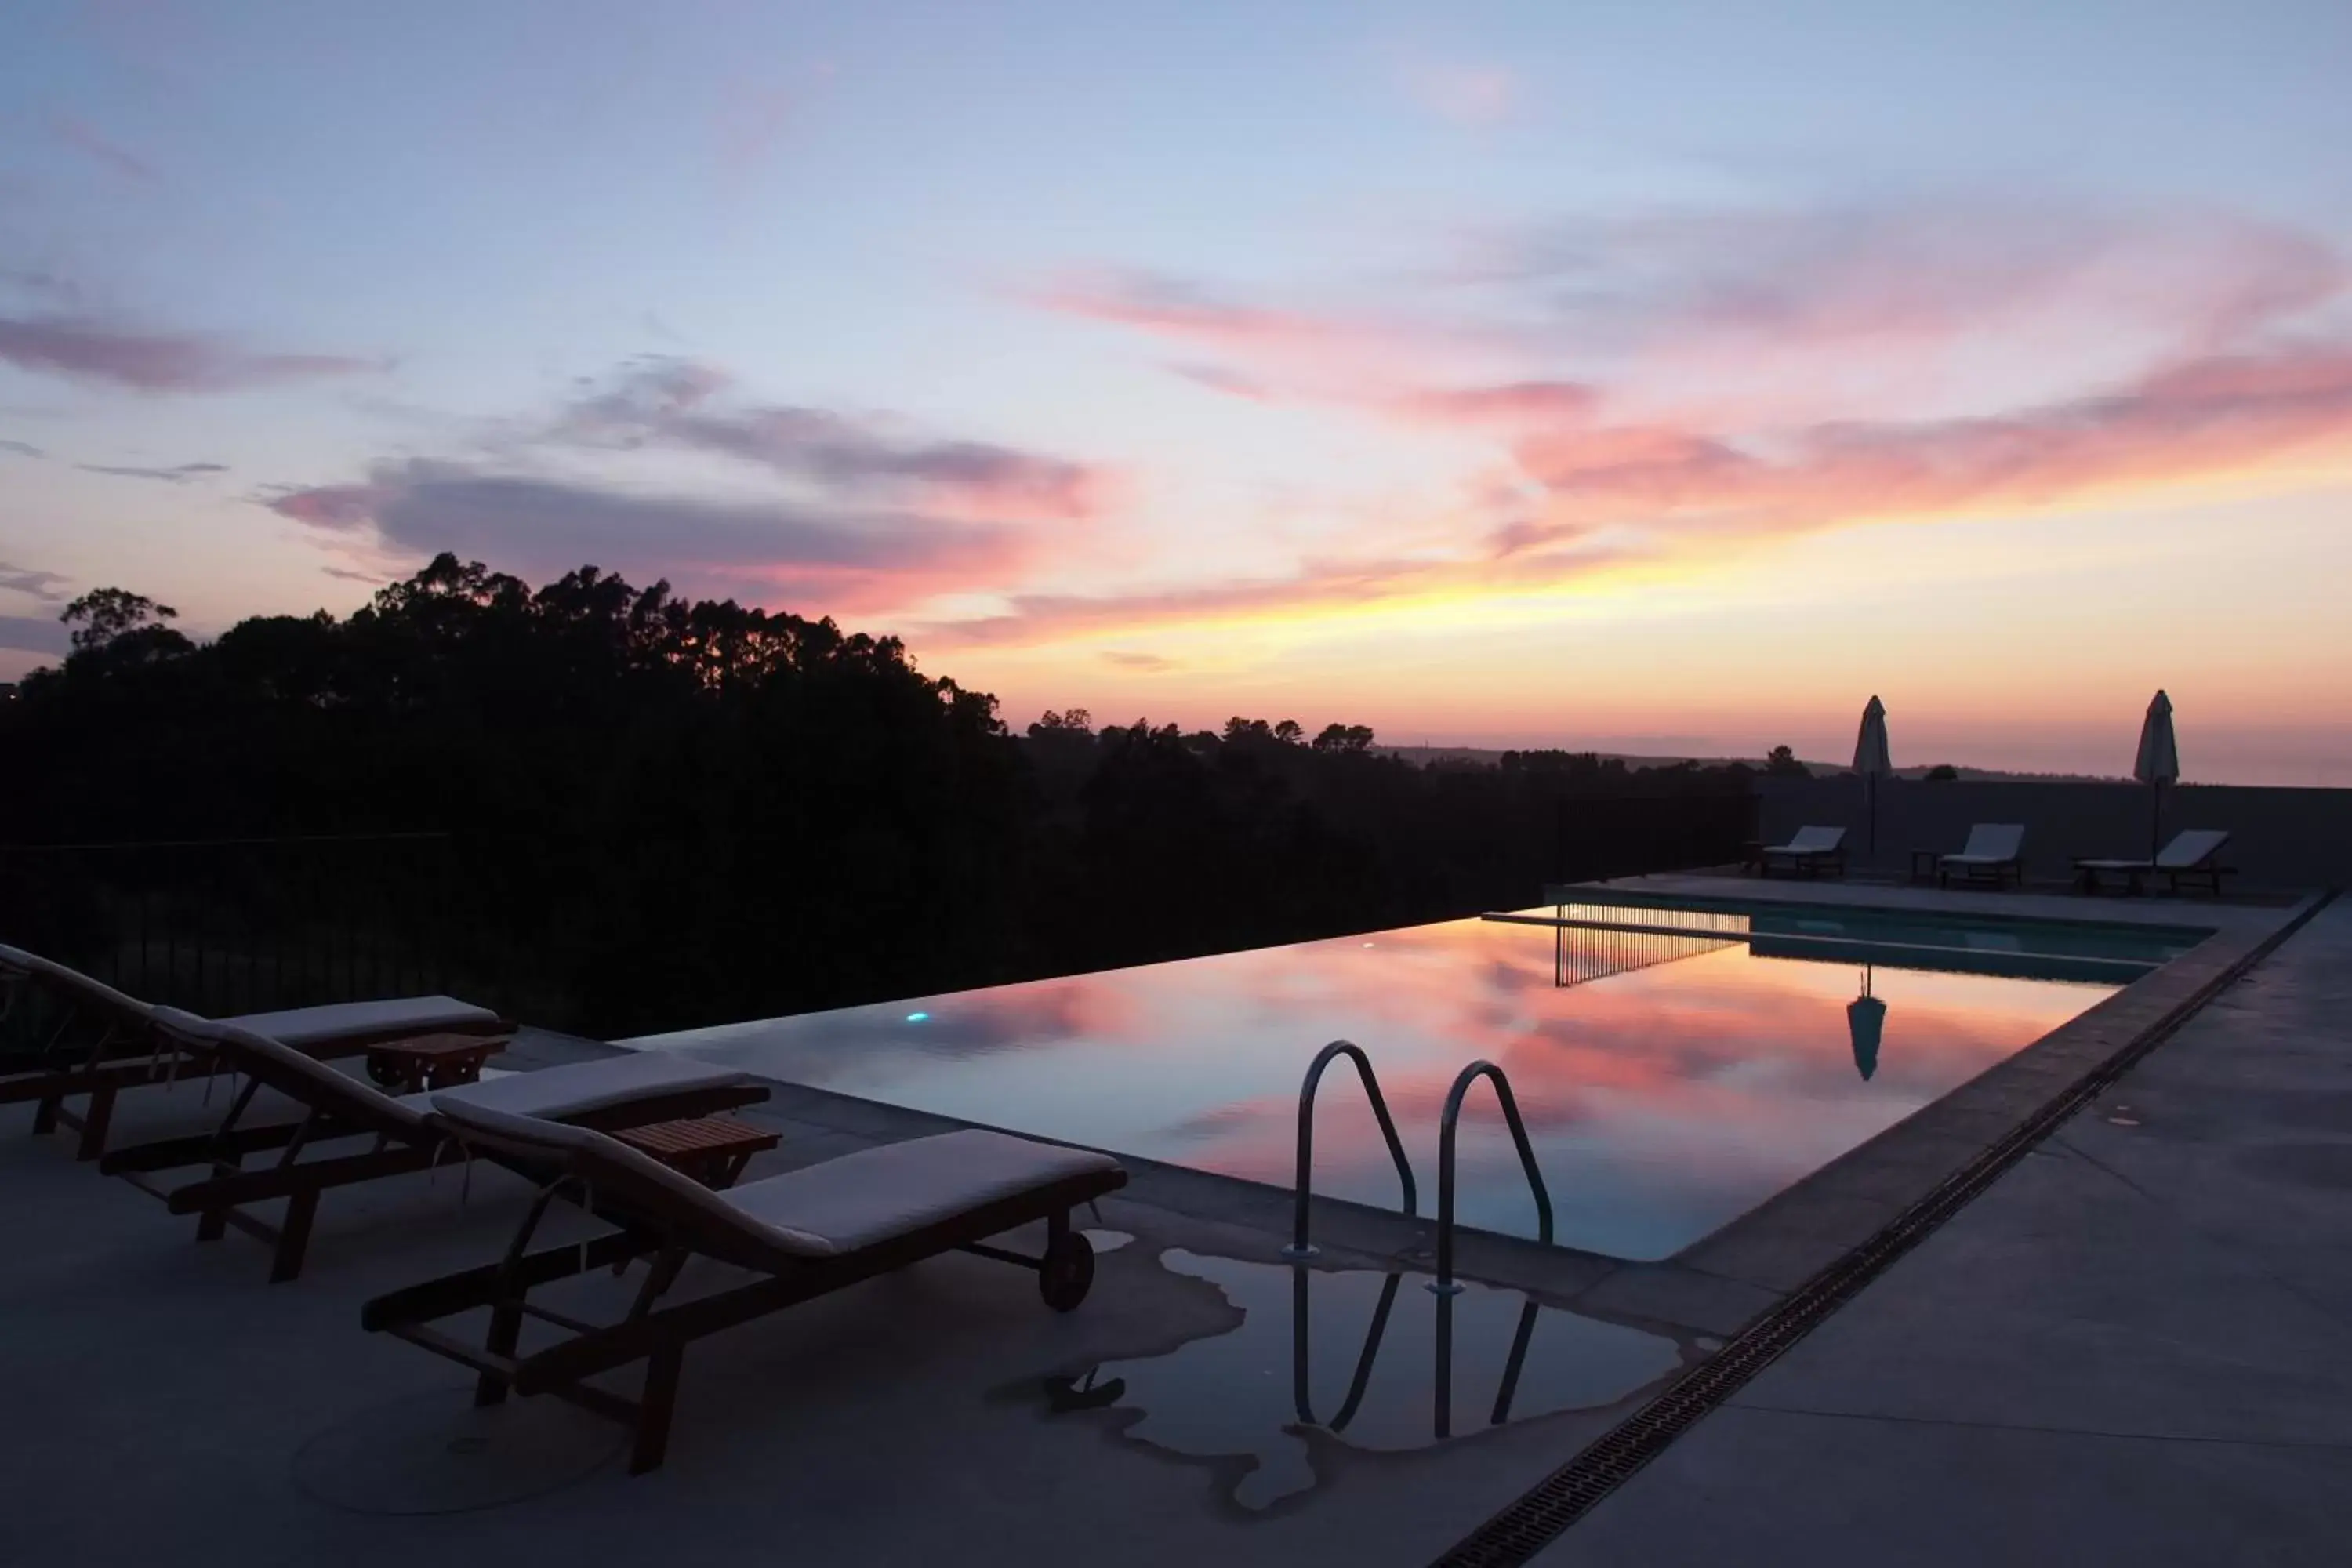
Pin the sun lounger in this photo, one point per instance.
(1808, 854)
(2193, 856)
(804, 1234)
(97, 1044)
(1994, 853)
(632, 1090)
(102, 1043)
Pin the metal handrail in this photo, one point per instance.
(1300, 1247)
(1445, 1284)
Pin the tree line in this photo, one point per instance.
(665, 812)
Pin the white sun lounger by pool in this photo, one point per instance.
(2193, 854)
(1994, 853)
(804, 1233)
(625, 1091)
(116, 1048)
(1807, 854)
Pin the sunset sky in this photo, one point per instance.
(1663, 377)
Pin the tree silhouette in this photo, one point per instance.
(666, 812)
(104, 615)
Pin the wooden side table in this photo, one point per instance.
(713, 1150)
(431, 1061)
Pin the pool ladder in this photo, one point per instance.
(1301, 1248)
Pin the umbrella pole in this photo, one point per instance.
(2155, 815)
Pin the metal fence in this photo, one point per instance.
(1623, 835)
(227, 926)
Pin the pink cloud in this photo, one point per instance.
(2207, 418)
(1611, 495)
(1759, 315)
(1176, 308)
(1509, 403)
(1217, 378)
(1464, 94)
(86, 140)
(840, 557)
(752, 122)
(1753, 373)
(870, 517)
(89, 348)
(682, 403)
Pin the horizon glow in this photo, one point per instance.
(1663, 380)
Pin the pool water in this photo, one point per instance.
(1670, 1082)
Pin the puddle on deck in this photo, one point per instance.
(1372, 1361)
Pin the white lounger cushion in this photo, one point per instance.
(290, 1072)
(852, 1203)
(1989, 844)
(1810, 841)
(822, 1210)
(2191, 848)
(339, 1020)
(2187, 852)
(560, 1092)
(572, 1091)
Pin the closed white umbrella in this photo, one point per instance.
(1872, 761)
(2157, 765)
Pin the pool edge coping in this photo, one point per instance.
(1519, 1531)
(1784, 1241)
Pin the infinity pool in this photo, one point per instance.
(1671, 1078)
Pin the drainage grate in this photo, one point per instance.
(1528, 1526)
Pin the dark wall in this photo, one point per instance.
(2281, 838)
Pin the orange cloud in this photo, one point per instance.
(1615, 495)
(1511, 401)
(1740, 345)
(1176, 308)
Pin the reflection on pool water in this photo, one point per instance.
(1670, 1082)
(1371, 1361)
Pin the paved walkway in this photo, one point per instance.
(2132, 1349)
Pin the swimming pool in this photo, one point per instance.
(1676, 1066)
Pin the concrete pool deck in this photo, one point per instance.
(188, 1412)
(2131, 1349)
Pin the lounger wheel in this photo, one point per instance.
(1067, 1272)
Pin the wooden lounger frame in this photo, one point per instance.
(128, 1051)
(1998, 874)
(2210, 871)
(219, 1199)
(123, 1054)
(658, 1334)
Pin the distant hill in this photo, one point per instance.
(1490, 756)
